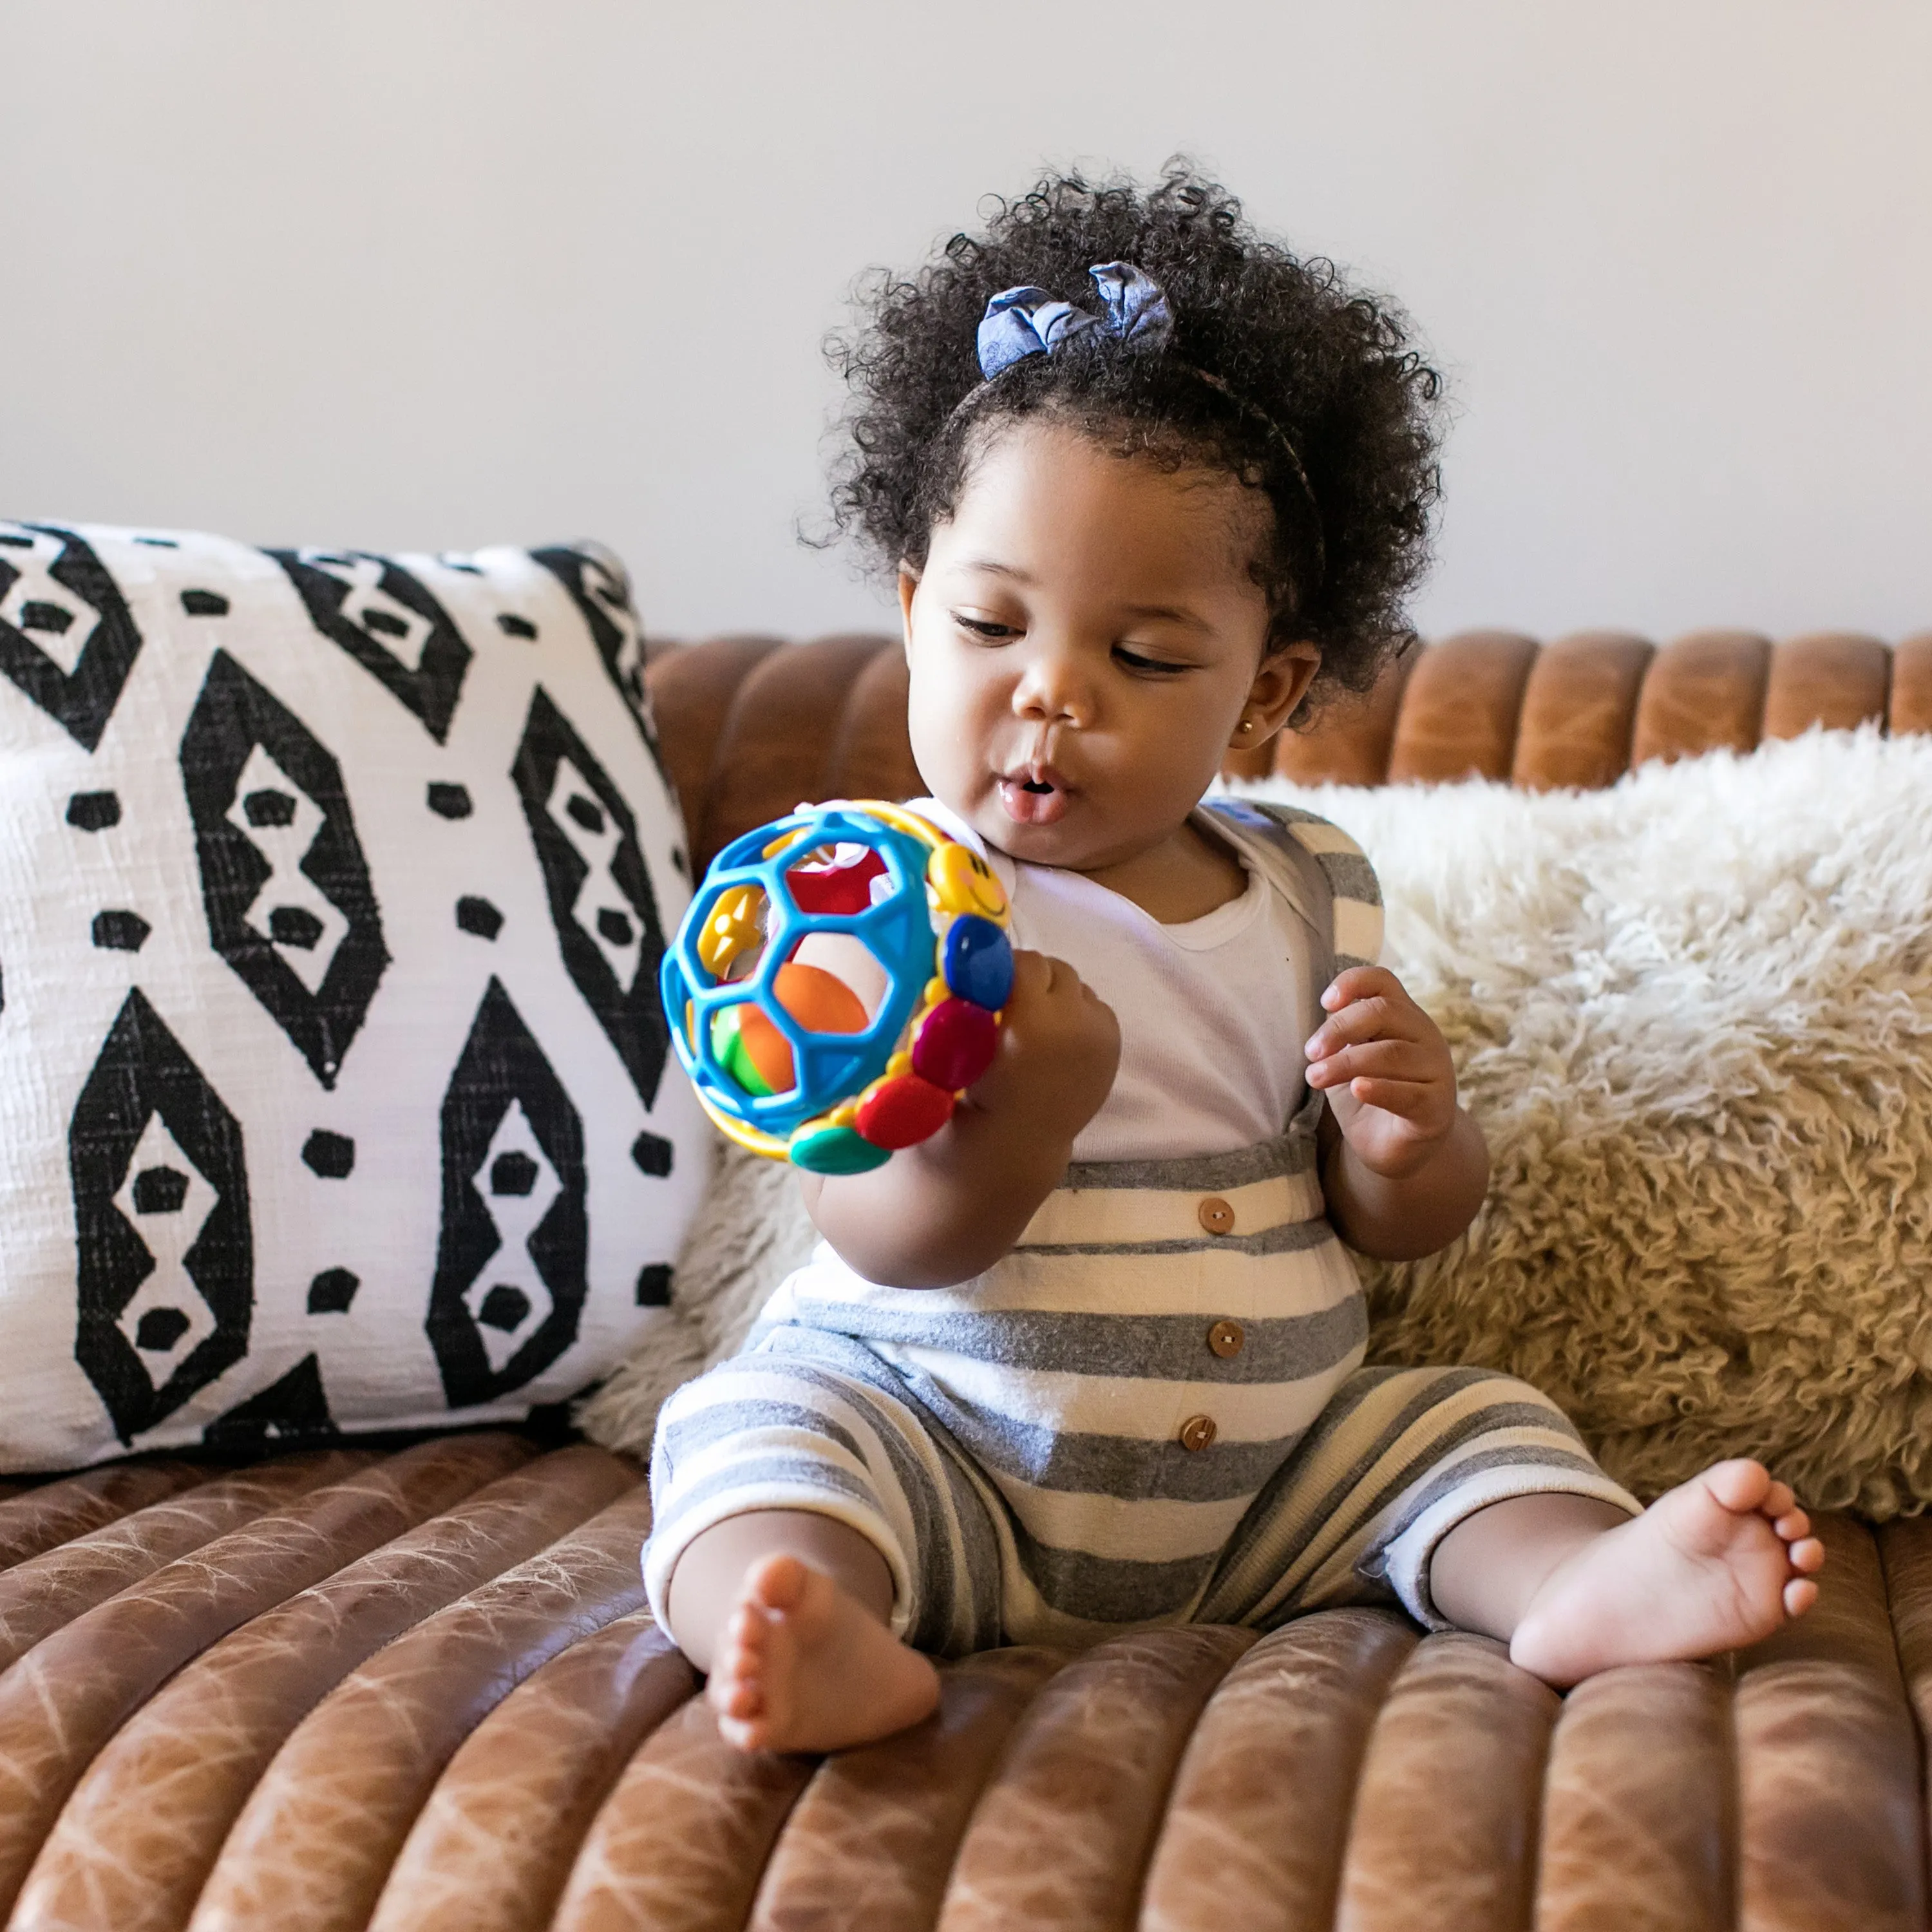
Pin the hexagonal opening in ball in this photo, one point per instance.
(841, 880)
(831, 984)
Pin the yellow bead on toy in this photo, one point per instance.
(736, 926)
(963, 882)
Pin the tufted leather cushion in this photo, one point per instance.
(421, 1691)
(750, 728)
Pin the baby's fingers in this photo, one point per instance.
(1407, 1100)
(1381, 1059)
(1368, 1015)
(1367, 1020)
(1361, 982)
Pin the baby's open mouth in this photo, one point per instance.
(1034, 795)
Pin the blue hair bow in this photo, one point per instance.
(1020, 322)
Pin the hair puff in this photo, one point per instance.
(1330, 367)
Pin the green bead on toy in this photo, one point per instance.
(836, 1150)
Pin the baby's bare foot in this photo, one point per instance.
(802, 1666)
(1717, 1563)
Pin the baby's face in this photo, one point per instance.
(1083, 643)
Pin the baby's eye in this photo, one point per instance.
(1138, 660)
(985, 628)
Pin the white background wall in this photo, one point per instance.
(407, 273)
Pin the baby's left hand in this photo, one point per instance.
(1378, 1047)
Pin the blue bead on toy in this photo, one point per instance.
(979, 962)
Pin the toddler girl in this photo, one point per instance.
(1090, 1358)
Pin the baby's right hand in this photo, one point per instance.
(1060, 1045)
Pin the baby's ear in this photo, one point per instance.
(908, 585)
(1280, 684)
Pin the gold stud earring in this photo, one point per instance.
(1247, 723)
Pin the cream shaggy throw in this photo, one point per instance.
(1694, 1015)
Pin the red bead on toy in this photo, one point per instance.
(956, 1044)
(900, 1111)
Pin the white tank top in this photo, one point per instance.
(1213, 1012)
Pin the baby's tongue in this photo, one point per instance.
(1032, 807)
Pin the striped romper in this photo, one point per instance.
(1153, 1410)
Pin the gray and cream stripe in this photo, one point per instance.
(1324, 873)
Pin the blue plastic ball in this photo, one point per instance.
(896, 928)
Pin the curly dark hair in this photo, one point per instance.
(1291, 353)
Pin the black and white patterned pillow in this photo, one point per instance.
(335, 1092)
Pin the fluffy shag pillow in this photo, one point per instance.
(1694, 1015)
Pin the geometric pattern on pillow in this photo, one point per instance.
(333, 890)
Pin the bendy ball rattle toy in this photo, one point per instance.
(786, 1056)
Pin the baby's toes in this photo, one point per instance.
(735, 1690)
(741, 1701)
(741, 1655)
(1780, 1500)
(1793, 1524)
(747, 1734)
(1800, 1594)
(1807, 1555)
(1740, 1484)
(779, 1582)
(738, 1669)
(728, 1694)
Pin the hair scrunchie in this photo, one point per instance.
(1020, 322)
(1134, 309)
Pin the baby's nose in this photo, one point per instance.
(1054, 692)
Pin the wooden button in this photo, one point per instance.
(1197, 1431)
(1226, 1338)
(1216, 1217)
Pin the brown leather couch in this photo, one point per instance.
(420, 1689)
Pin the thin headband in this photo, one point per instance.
(1135, 312)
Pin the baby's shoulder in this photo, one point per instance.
(1320, 868)
(1273, 820)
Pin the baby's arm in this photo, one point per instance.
(1403, 1168)
(948, 1208)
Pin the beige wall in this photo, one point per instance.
(427, 272)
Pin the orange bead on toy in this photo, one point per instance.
(820, 1001)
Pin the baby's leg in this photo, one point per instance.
(805, 1509)
(1470, 1497)
(789, 1612)
(1576, 1586)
